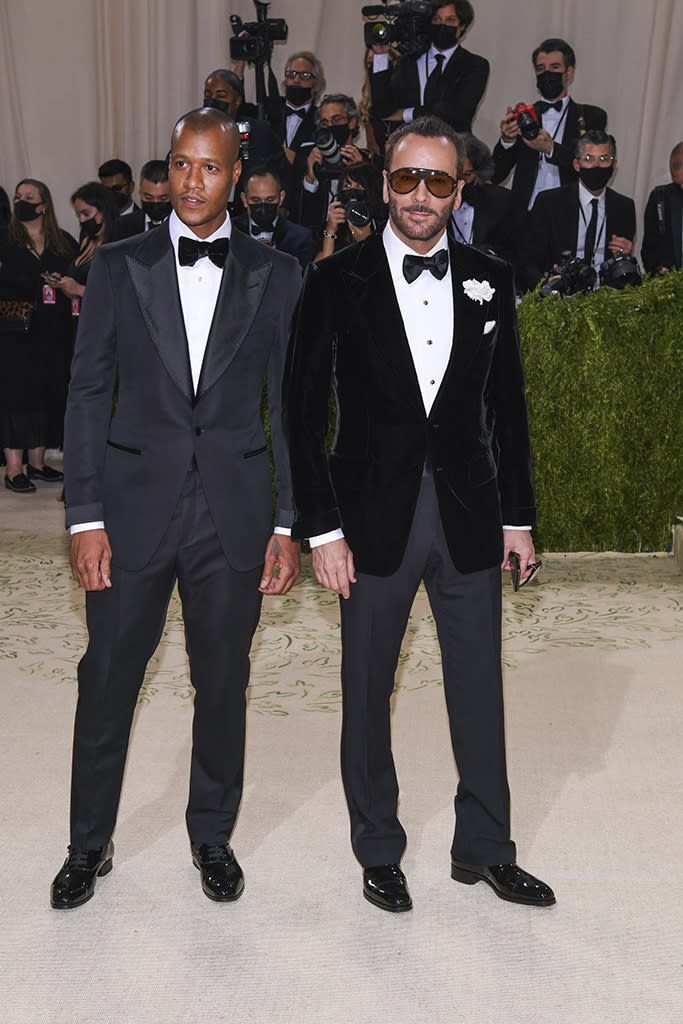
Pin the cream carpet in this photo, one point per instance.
(593, 656)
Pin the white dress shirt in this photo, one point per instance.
(293, 121)
(548, 176)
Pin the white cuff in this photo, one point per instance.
(518, 528)
(311, 186)
(507, 143)
(284, 530)
(82, 527)
(326, 538)
(408, 114)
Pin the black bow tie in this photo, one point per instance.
(436, 264)
(191, 249)
(545, 107)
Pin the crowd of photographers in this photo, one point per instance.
(312, 183)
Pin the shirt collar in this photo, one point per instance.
(585, 197)
(176, 228)
(299, 111)
(432, 52)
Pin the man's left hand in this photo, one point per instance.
(543, 142)
(520, 541)
(351, 154)
(619, 244)
(281, 567)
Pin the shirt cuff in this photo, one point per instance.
(507, 143)
(380, 62)
(82, 527)
(284, 530)
(326, 538)
(518, 528)
(311, 186)
(408, 113)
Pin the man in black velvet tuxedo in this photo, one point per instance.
(447, 80)
(175, 486)
(663, 229)
(546, 161)
(429, 478)
(587, 218)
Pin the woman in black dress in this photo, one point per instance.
(34, 365)
(96, 209)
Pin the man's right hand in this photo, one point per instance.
(314, 157)
(509, 129)
(333, 566)
(91, 559)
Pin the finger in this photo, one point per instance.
(267, 574)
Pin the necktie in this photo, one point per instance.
(433, 81)
(436, 264)
(589, 244)
(545, 107)
(191, 249)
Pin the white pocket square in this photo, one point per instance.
(488, 326)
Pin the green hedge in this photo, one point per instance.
(605, 392)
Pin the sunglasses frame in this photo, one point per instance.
(423, 175)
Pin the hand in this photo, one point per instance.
(91, 559)
(618, 244)
(520, 541)
(71, 288)
(543, 143)
(509, 129)
(335, 217)
(52, 279)
(281, 565)
(314, 157)
(351, 154)
(333, 566)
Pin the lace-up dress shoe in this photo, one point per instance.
(222, 877)
(508, 881)
(45, 473)
(75, 882)
(20, 484)
(386, 887)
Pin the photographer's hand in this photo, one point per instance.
(314, 157)
(619, 244)
(509, 129)
(543, 143)
(351, 154)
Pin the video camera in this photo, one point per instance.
(404, 25)
(257, 42)
(572, 274)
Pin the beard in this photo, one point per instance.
(426, 229)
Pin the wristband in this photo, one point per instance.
(326, 234)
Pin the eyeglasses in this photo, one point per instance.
(516, 573)
(305, 76)
(325, 122)
(406, 179)
(586, 159)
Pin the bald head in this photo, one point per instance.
(207, 119)
(203, 168)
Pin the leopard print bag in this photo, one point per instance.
(15, 316)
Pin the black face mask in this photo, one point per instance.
(298, 95)
(264, 215)
(25, 211)
(353, 195)
(340, 133)
(550, 84)
(444, 37)
(595, 178)
(218, 104)
(90, 227)
(122, 199)
(157, 211)
(469, 192)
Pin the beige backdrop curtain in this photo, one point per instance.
(82, 81)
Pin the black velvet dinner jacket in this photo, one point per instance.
(348, 329)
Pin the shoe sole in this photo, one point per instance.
(383, 906)
(472, 877)
(213, 896)
(104, 870)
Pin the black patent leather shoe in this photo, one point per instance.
(222, 877)
(45, 473)
(20, 484)
(508, 881)
(386, 887)
(74, 884)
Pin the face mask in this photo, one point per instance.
(444, 37)
(89, 228)
(595, 178)
(469, 192)
(353, 195)
(157, 211)
(264, 215)
(122, 199)
(25, 211)
(298, 95)
(340, 133)
(550, 84)
(218, 104)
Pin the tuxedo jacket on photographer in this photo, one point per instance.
(291, 238)
(348, 329)
(663, 228)
(128, 469)
(493, 227)
(525, 160)
(460, 90)
(552, 228)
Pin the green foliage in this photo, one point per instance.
(605, 393)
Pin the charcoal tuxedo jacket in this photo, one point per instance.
(348, 330)
(128, 468)
(663, 228)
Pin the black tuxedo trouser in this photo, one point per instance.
(467, 612)
(220, 613)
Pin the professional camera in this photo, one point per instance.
(619, 270)
(404, 25)
(330, 150)
(358, 212)
(525, 116)
(572, 274)
(257, 43)
(243, 127)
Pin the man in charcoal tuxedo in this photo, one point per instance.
(175, 486)
(663, 228)
(546, 161)
(446, 80)
(587, 218)
(429, 478)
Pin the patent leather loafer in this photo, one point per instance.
(45, 473)
(508, 881)
(20, 484)
(386, 887)
(74, 884)
(222, 877)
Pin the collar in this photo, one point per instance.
(396, 249)
(564, 101)
(128, 209)
(176, 228)
(585, 197)
(299, 111)
(432, 52)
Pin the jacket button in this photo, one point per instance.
(198, 431)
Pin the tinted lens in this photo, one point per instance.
(405, 179)
(440, 184)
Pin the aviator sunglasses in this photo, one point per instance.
(406, 179)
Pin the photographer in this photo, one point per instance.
(446, 80)
(485, 217)
(546, 161)
(585, 218)
(295, 124)
(357, 212)
(663, 234)
(262, 198)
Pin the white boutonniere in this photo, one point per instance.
(478, 291)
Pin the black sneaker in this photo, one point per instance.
(20, 484)
(45, 473)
